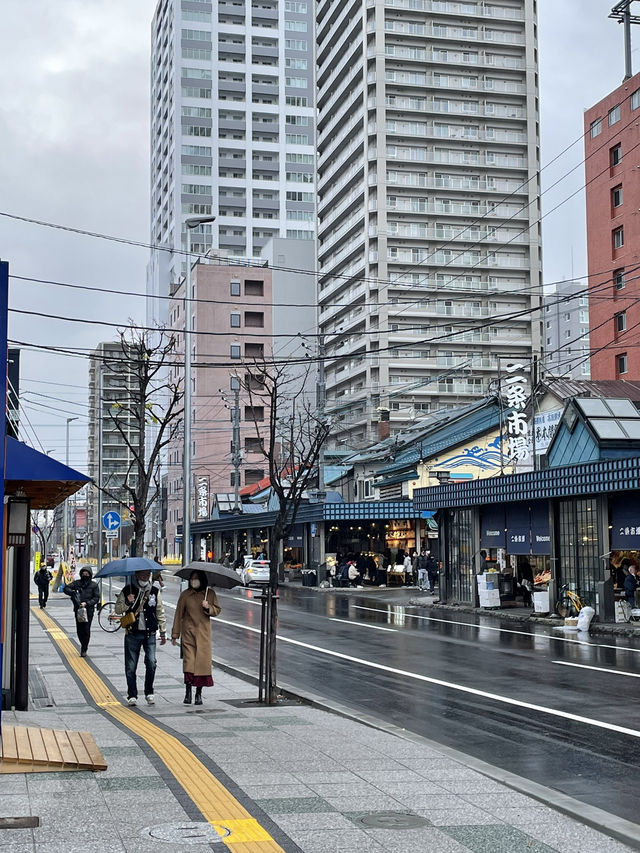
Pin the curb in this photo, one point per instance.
(615, 827)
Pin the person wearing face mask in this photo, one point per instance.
(85, 595)
(192, 625)
(144, 600)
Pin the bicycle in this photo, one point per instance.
(569, 603)
(108, 619)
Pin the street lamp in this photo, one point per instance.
(65, 538)
(191, 223)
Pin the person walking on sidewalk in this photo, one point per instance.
(42, 579)
(192, 624)
(144, 600)
(432, 572)
(85, 595)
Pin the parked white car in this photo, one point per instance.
(254, 571)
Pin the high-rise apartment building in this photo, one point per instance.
(612, 200)
(566, 331)
(106, 375)
(428, 202)
(232, 129)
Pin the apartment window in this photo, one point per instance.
(621, 321)
(584, 316)
(614, 115)
(253, 475)
(618, 238)
(618, 279)
(234, 288)
(616, 154)
(254, 319)
(567, 334)
(296, 26)
(253, 287)
(296, 101)
(296, 82)
(596, 128)
(254, 413)
(234, 351)
(621, 364)
(252, 444)
(296, 44)
(235, 321)
(295, 6)
(616, 196)
(635, 100)
(254, 350)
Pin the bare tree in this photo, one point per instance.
(145, 410)
(291, 431)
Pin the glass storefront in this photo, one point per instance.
(579, 547)
(461, 553)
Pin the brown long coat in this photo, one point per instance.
(193, 626)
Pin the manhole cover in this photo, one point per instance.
(393, 820)
(188, 832)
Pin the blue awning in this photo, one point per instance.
(45, 481)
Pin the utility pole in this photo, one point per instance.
(65, 535)
(190, 224)
(98, 521)
(236, 456)
(321, 399)
(621, 13)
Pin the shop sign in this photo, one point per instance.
(202, 496)
(625, 525)
(544, 426)
(515, 396)
(492, 527)
(518, 529)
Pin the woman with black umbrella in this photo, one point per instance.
(192, 625)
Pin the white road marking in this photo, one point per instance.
(597, 668)
(473, 691)
(501, 630)
(363, 625)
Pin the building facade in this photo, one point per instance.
(566, 331)
(232, 130)
(613, 232)
(242, 315)
(428, 235)
(106, 375)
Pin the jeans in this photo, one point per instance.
(133, 643)
(422, 578)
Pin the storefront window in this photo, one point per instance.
(579, 547)
(461, 570)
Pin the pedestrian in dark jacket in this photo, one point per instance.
(432, 571)
(42, 579)
(85, 595)
(631, 585)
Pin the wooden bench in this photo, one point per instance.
(34, 750)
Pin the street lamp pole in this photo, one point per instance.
(191, 223)
(65, 538)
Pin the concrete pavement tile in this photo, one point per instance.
(16, 841)
(425, 839)
(244, 774)
(120, 750)
(563, 834)
(312, 820)
(364, 804)
(441, 769)
(98, 844)
(294, 805)
(377, 777)
(425, 800)
(505, 799)
(15, 805)
(346, 789)
(496, 839)
(421, 787)
(464, 786)
(337, 841)
(131, 783)
(272, 792)
(11, 783)
(521, 816)
(327, 778)
(461, 815)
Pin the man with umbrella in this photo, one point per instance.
(144, 601)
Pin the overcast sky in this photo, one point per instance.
(74, 147)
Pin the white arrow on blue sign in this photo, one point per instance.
(111, 520)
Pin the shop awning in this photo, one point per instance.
(518, 529)
(492, 527)
(625, 523)
(540, 530)
(45, 481)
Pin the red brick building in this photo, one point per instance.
(612, 158)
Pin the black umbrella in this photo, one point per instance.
(217, 574)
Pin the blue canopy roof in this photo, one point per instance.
(45, 481)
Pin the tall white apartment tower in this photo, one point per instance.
(428, 203)
(232, 129)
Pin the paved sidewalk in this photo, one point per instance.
(316, 781)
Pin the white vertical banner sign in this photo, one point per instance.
(202, 496)
(515, 396)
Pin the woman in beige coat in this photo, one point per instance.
(192, 624)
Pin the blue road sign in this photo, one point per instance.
(111, 520)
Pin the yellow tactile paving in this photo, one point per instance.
(217, 805)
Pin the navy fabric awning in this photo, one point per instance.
(492, 524)
(45, 481)
(625, 530)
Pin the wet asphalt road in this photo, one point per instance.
(446, 676)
